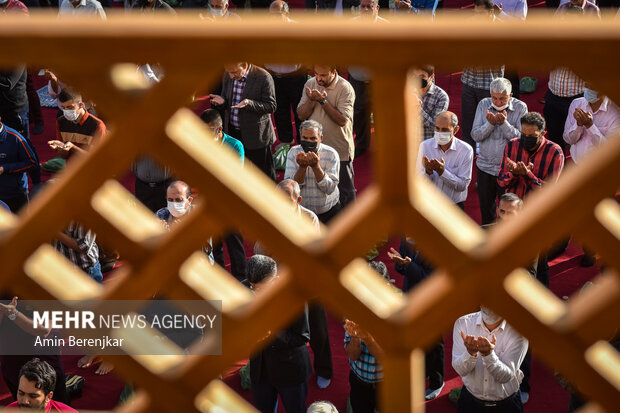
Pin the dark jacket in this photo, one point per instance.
(255, 119)
(16, 156)
(286, 360)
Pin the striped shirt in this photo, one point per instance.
(548, 161)
(481, 77)
(318, 197)
(434, 101)
(80, 133)
(564, 83)
(85, 241)
(366, 367)
(237, 92)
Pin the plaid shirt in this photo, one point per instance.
(564, 83)
(238, 86)
(366, 367)
(434, 102)
(481, 77)
(318, 197)
(86, 242)
(548, 161)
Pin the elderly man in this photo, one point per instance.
(592, 120)
(329, 100)
(497, 121)
(249, 98)
(291, 188)
(283, 366)
(487, 353)
(81, 8)
(446, 160)
(433, 99)
(315, 167)
(37, 380)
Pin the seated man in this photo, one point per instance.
(283, 366)
(77, 130)
(447, 160)
(497, 121)
(316, 168)
(37, 381)
(487, 353)
(591, 120)
(79, 246)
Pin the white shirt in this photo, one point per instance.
(515, 9)
(92, 7)
(605, 123)
(496, 376)
(457, 169)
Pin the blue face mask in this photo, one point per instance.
(590, 95)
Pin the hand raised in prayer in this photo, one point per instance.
(354, 330)
(500, 118)
(485, 347)
(438, 166)
(317, 96)
(521, 169)
(241, 104)
(471, 344)
(397, 258)
(578, 115)
(588, 120)
(302, 159)
(312, 158)
(511, 165)
(491, 118)
(217, 100)
(9, 308)
(427, 165)
(403, 4)
(49, 75)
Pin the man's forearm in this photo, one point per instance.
(353, 348)
(300, 175)
(304, 111)
(334, 114)
(318, 172)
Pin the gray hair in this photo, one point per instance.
(290, 187)
(311, 124)
(225, 2)
(322, 407)
(501, 85)
(260, 267)
(510, 197)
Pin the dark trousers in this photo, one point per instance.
(236, 253)
(363, 395)
(434, 363)
(526, 368)
(555, 112)
(152, 194)
(319, 341)
(293, 397)
(470, 97)
(609, 3)
(261, 157)
(542, 270)
(488, 190)
(470, 404)
(289, 90)
(34, 103)
(513, 77)
(361, 115)
(325, 217)
(346, 186)
(17, 202)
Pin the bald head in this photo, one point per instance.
(291, 188)
(279, 7)
(447, 117)
(178, 191)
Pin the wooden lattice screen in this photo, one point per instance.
(474, 266)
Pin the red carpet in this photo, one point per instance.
(101, 392)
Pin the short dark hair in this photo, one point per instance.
(535, 119)
(41, 373)
(428, 69)
(211, 116)
(510, 197)
(488, 4)
(68, 94)
(260, 267)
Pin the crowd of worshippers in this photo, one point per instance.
(515, 151)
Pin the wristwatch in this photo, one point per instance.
(322, 102)
(12, 316)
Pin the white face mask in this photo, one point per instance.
(488, 316)
(443, 138)
(499, 108)
(177, 209)
(217, 12)
(71, 114)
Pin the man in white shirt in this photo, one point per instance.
(591, 120)
(446, 160)
(81, 8)
(487, 353)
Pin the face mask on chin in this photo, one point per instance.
(442, 138)
(499, 108)
(177, 209)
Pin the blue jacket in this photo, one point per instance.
(16, 157)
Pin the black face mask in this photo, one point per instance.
(424, 83)
(308, 146)
(529, 142)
